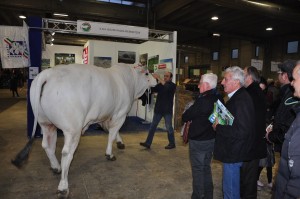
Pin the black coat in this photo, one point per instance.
(284, 117)
(234, 143)
(259, 149)
(287, 184)
(198, 113)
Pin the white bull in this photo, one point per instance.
(72, 97)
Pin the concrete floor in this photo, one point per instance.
(136, 174)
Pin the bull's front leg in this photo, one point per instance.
(111, 138)
(113, 129)
(120, 143)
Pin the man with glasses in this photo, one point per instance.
(163, 108)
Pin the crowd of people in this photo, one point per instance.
(266, 119)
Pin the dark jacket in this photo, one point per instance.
(288, 178)
(165, 97)
(283, 118)
(259, 149)
(198, 113)
(234, 143)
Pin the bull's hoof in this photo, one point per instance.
(55, 171)
(110, 157)
(62, 194)
(120, 145)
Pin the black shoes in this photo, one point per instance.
(170, 146)
(144, 144)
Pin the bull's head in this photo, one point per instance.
(143, 80)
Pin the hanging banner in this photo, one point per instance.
(112, 30)
(14, 46)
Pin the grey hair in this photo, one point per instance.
(237, 74)
(211, 79)
(253, 72)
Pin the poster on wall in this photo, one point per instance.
(163, 66)
(151, 62)
(274, 66)
(64, 58)
(104, 62)
(258, 64)
(144, 60)
(126, 57)
(45, 64)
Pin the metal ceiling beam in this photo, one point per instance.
(92, 9)
(165, 8)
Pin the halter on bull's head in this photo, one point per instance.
(143, 80)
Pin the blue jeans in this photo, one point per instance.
(200, 157)
(231, 180)
(168, 122)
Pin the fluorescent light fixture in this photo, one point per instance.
(269, 28)
(22, 17)
(216, 34)
(61, 14)
(214, 18)
(258, 3)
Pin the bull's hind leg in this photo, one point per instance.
(49, 145)
(71, 143)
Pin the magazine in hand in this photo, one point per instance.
(222, 113)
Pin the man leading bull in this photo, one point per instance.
(163, 108)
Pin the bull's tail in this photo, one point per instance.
(22, 156)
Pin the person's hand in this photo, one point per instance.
(155, 75)
(215, 124)
(269, 128)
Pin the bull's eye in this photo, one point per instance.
(147, 74)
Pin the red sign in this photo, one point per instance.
(162, 66)
(86, 55)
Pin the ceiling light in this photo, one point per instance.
(51, 44)
(52, 39)
(269, 28)
(61, 14)
(214, 18)
(53, 33)
(258, 3)
(216, 34)
(22, 17)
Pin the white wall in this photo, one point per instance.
(51, 50)
(110, 49)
